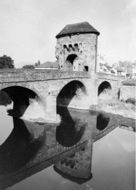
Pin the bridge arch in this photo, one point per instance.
(21, 98)
(105, 85)
(73, 90)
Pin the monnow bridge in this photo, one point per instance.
(76, 83)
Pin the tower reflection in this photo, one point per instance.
(77, 166)
(74, 128)
(70, 130)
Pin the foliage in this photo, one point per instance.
(6, 62)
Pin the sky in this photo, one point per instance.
(28, 27)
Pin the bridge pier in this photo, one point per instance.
(49, 105)
(92, 92)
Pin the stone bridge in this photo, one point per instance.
(75, 83)
(54, 87)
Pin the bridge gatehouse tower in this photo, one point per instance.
(76, 48)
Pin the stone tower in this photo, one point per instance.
(76, 48)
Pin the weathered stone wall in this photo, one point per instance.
(20, 75)
(82, 45)
(127, 92)
(110, 77)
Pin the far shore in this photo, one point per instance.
(117, 107)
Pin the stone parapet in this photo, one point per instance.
(20, 75)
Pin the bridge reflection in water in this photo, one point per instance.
(32, 147)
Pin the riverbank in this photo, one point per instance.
(114, 106)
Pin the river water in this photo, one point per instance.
(85, 151)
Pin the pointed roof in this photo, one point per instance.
(77, 28)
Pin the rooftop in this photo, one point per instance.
(77, 28)
(48, 64)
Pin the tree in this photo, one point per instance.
(6, 62)
(28, 67)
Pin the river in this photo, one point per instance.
(87, 150)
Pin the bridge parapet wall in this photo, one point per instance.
(107, 76)
(21, 75)
(128, 90)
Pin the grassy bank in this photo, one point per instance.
(115, 106)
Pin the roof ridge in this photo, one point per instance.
(77, 28)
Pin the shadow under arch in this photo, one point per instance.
(69, 132)
(105, 85)
(69, 91)
(20, 97)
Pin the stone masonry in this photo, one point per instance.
(79, 51)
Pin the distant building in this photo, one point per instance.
(113, 71)
(127, 68)
(121, 71)
(48, 65)
(104, 67)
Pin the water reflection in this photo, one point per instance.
(18, 149)
(70, 130)
(77, 166)
(102, 121)
(32, 147)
